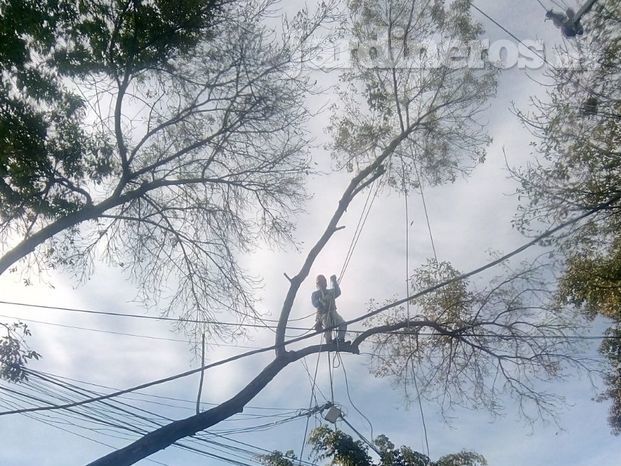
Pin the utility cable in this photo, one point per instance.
(377, 311)
(90, 439)
(124, 409)
(510, 33)
(370, 444)
(189, 402)
(397, 332)
(113, 332)
(145, 317)
(542, 5)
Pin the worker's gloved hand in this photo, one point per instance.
(333, 278)
(318, 326)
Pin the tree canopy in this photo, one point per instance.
(578, 168)
(168, 140)
(164, 138)
(341, 449)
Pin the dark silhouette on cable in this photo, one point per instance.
(569, 22)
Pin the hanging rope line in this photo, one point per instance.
(407, 290)
(542, 5)
(422, 195)
(398, 302)
(331, 381)
(352, 401)
(310, 405)
(361, 223)
(420, 407)
(562, 7)
(351, 244)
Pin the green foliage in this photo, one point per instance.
(592, 281)
(469, 342)
(611, 349)
(14, 353)
(399, 91)
(164, 138)
(579, 169)
(452, 303)
(47, 155)
(339, 447)
(342, 450)
(278, 458)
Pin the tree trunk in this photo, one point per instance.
(169, 434)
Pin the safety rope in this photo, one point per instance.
(366, 210)
(352, 401)
(310, 404)
(407, 276)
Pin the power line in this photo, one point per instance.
(510, 33)
(113, 332)
(384, 308)
(90, 439)
(119, 423)
(161, 397)
(396, 332)
(145, 317)
(542, 5)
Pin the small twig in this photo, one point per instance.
(200, 384)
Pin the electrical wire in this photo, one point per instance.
(579, 337)
(287, 411)
(113, 332)
(510, 33)
(368, 315)
(145, 317)
(90, 439)
(125, 409)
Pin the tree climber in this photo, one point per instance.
(324, 301)
(567, 22)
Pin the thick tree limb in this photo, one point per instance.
(362, 179)
(169, 434)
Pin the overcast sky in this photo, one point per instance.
(468, 218)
